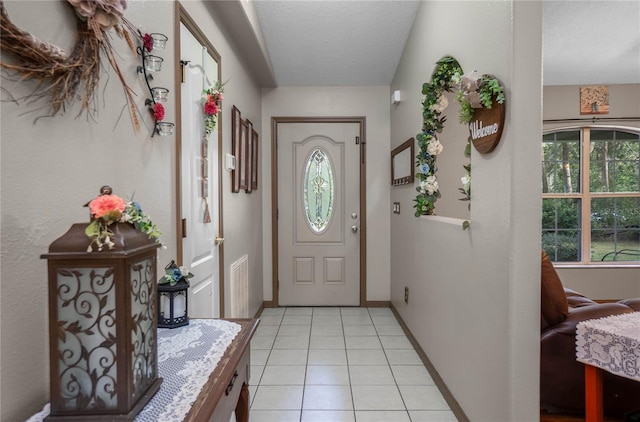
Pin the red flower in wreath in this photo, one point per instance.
(158, 111)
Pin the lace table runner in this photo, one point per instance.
(611, 343)
(186, 358)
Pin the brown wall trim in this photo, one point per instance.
(269, 304)
(378, 304)
(259, 311)
(363, 195)
(437, 379)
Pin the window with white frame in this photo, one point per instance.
(591, 194)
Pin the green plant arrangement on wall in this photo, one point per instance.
(473, 92)
(446, 77)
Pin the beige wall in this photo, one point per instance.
(371, 102)
(562, 102)
(474, 295)
(50, 169)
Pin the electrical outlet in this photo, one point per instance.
(406, 295)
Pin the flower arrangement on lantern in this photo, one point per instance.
(173, 274)
(107, 209)
(211, 105)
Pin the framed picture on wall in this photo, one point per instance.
(254, 159)
(248, 162)
(594, 100)
(242, 155)
(236, 141)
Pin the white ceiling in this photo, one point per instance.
(359, 42)
(591, 42)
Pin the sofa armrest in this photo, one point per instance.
(632, 303)
(576, 299)
(579, 314)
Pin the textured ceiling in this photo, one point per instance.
(359, 42)
(591, 42)
(352, 42)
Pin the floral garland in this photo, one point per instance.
(445, 77)
(473, 91)
(107, 209)
(211, 104)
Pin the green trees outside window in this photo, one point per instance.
(591, 194)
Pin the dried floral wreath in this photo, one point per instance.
(63, 76)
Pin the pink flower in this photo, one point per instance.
(158, 111)
(210, 108)
(107, 207)
(220, 97)
(148, 42)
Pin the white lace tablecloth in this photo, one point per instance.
(611, 343)
(186, 357)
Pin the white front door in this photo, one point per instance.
(199, 181)
(318, 214)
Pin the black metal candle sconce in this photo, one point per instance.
(159, 95)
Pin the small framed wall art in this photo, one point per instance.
(254, 159)
(594, 100)
(236, 141)
(402, 167)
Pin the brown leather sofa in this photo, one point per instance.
(561, 376)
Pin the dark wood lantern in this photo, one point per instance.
(172, 305)
(102, 325)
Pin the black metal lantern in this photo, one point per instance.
(173, 308)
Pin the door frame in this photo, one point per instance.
(362, 121)
(181, 16)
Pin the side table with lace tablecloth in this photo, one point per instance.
(205, 372)
(611, 344)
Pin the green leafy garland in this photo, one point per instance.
(472, 92)
(446, 76)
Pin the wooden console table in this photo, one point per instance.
(205, 372)
(228, 386)
(610, 344)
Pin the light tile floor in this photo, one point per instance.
(338, 365)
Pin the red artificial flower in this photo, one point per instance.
(210, 108)
(158, 111)
(109, 207)
(147, 41)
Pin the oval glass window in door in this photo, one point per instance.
(318, 190)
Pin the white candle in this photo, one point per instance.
(178, 306)
(164, 306)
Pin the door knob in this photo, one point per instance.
(354, 229)
(219, 240)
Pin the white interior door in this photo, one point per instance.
(199, 181)
(318, 214)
